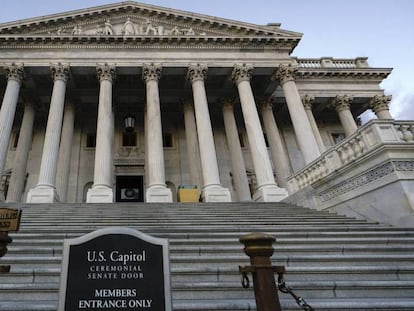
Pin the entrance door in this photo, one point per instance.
(129, 189)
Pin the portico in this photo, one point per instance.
(172, 74)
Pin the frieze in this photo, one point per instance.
(366, 178)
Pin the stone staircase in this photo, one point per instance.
(334, 262)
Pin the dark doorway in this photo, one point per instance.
(129, 189)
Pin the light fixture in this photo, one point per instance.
(129, 121)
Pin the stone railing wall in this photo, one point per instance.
(328, 62)
(366, 140)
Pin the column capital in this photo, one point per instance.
(285, 73)
(242, 73)
(106, 72)
(341, 102)
(186, 103)
(151, 72)
(15, 72)
(197, 72)
(379, 103)
(227, 103)
(60, 71)
(307, 101)
(266, 103)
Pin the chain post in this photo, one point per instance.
(259, 248)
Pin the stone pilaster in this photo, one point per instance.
(342, 104)
(267, 190)
(239, 175)
(18, 176)
(45, 190)
(307, 101)
(279, 154)
(380, 105)
(192, 143)
(212, 190)
(101, 191)
(157, 190)
(285, 74)
(8, 109)
(65, 151)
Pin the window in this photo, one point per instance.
(129, 139)
(167, 140)
(338, 137)
(90, 140)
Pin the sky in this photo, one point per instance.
(382, 30)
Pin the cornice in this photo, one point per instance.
(227, 42)
(362, 73)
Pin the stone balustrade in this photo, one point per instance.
(369, 138)
(328, 62)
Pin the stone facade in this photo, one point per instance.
(217, 103)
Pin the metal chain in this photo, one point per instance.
(281, 285)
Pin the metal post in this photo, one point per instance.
(258, 247)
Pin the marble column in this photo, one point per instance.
(279, 154)
(18, 176)
(101, 191)
(45, 190)
(307, 104)
(267, 190)
(212, 190)
(303, 130)
(238, 168)
(342, 104)
(379, 104)
(65, 151)
(157, 190)
(8, 109)
(192, 143)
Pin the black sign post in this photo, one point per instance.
(115, 269)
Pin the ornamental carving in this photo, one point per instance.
(136, 27)
(197, 72)
(151, 72)
(266, 103)
(15, 72)
(307, 101)
(106, 72)
(60, 72)
(285, 73)
(341, 102)
(242, 73)
(379, 103)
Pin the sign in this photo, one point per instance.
(9, 219)
(115, 269)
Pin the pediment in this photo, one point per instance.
(136, 19)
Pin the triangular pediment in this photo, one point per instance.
(137, 19)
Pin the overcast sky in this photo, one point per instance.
(382, 30)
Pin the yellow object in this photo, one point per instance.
(187, 195)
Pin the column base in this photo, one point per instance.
(270, 193)
(42, 194)
(100, 194)
(158, 194)
(215, 193)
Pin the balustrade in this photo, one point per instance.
(367, 139)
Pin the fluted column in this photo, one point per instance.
(101, 191)
(342, 104)
(45, 190)
(303, 130)
(212, 190)
(307, 104)
(18, 176)
(157, 190)
(8, 110)
(379, 104)
(266, 190)
(239, 175)
(279, 154)
(192, 143)
(65, 151)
